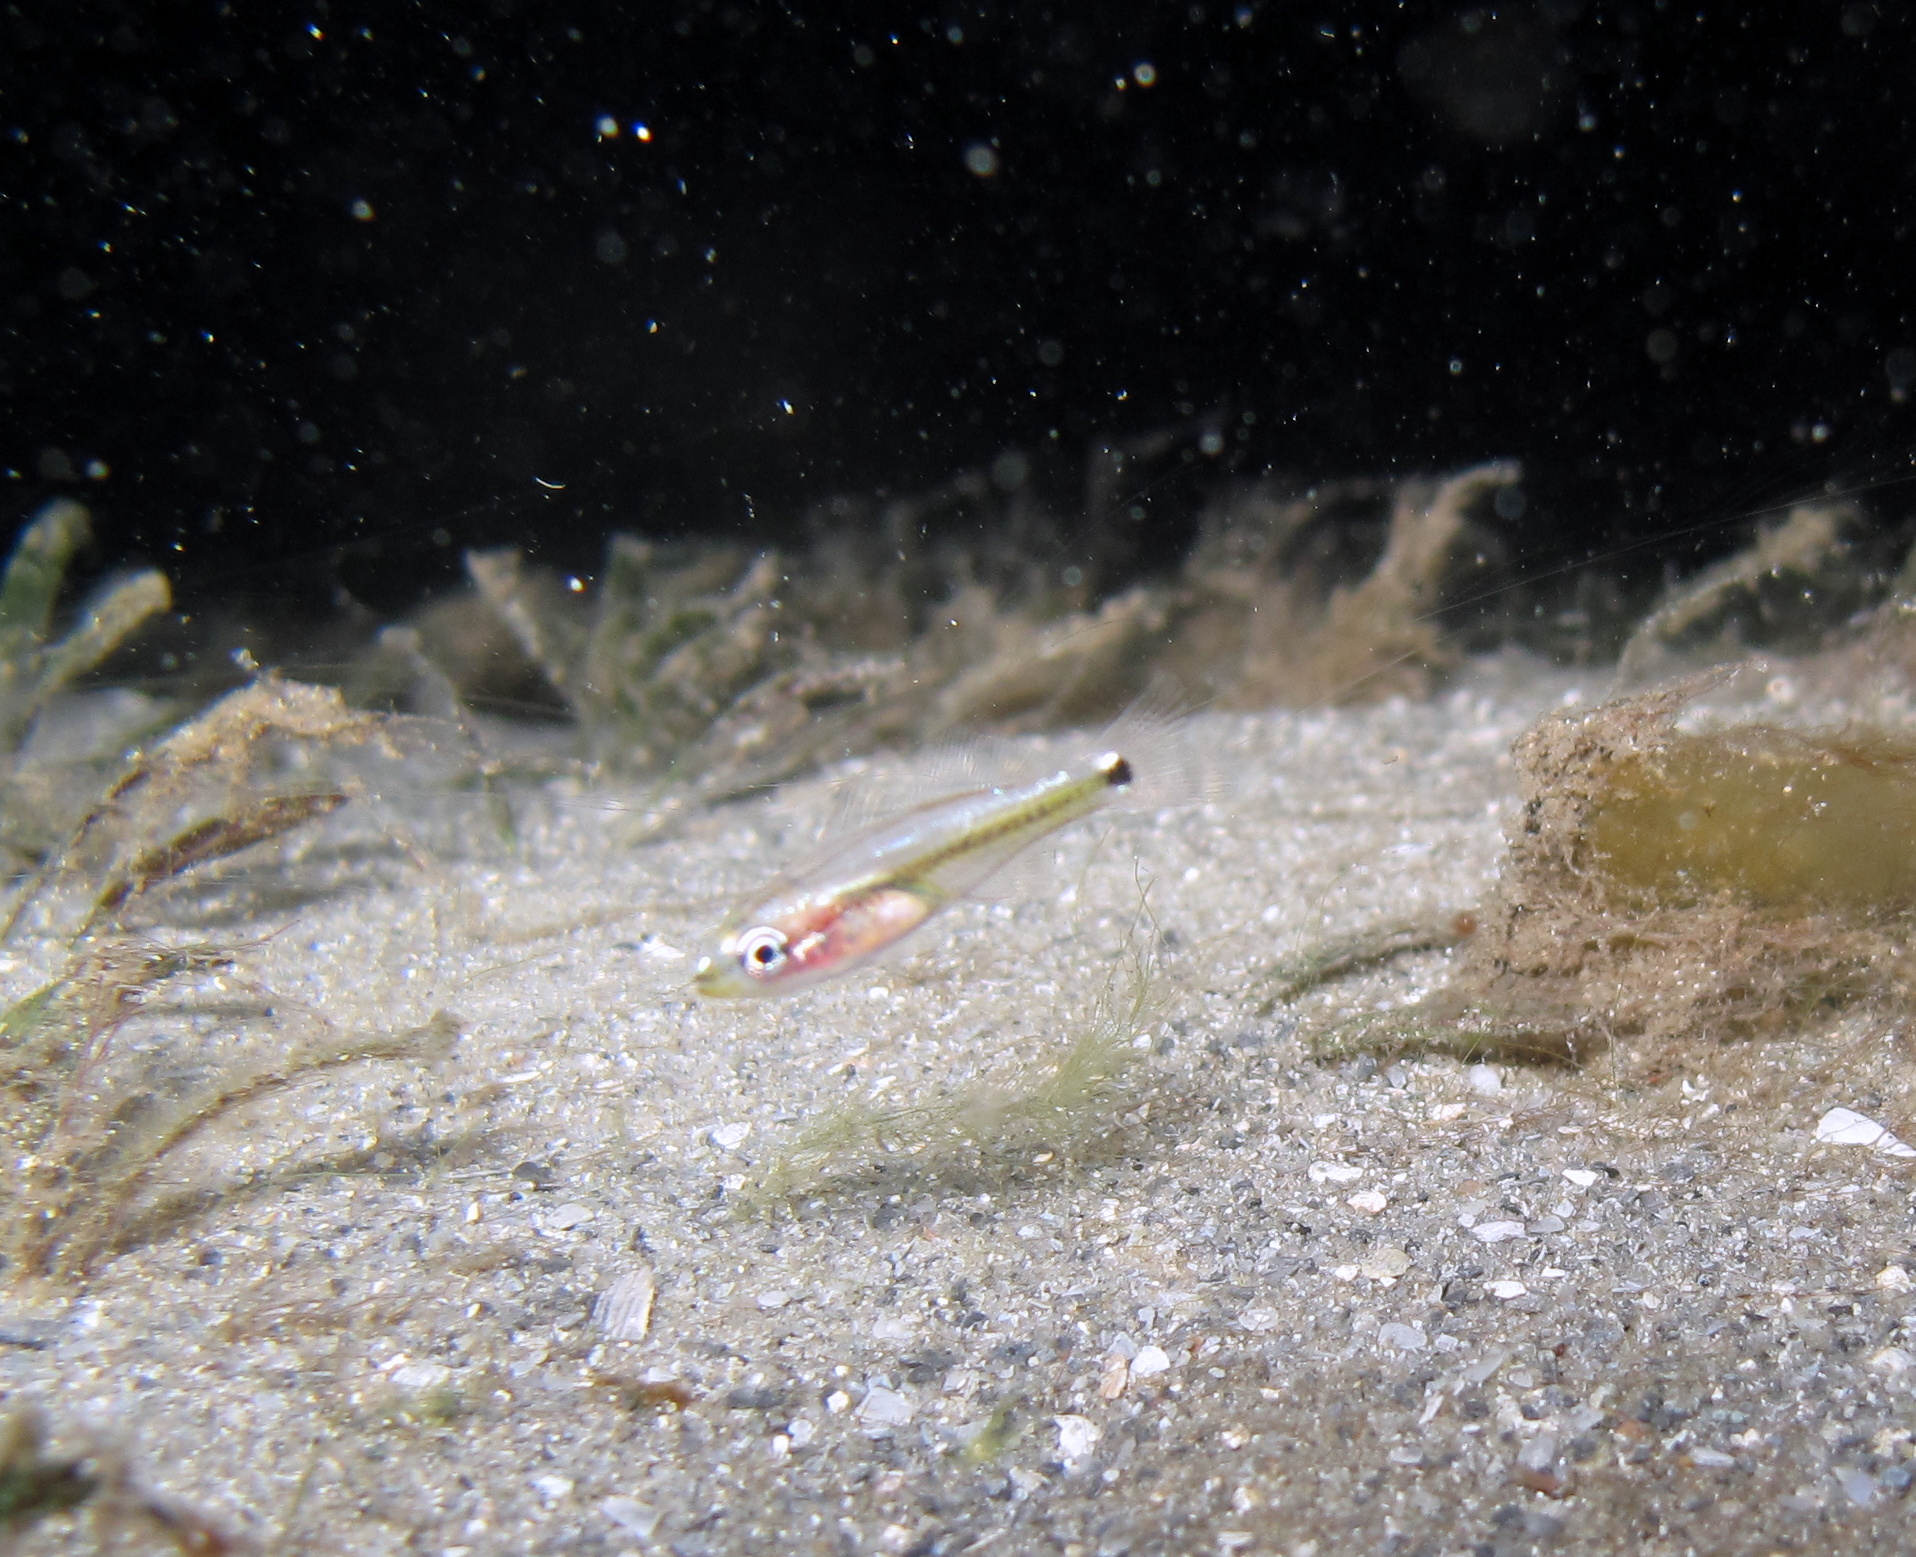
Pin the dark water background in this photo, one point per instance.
(304, 299)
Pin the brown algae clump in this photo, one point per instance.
(1675, 886)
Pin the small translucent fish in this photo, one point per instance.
(880, 885)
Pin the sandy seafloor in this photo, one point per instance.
(1276, 1306)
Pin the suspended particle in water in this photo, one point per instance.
(981, 159)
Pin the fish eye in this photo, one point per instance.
(762, 951)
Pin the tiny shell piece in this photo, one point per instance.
(1846, 1127)
(624, 1309)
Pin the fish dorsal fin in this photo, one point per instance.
(872, 790)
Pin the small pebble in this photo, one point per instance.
(563, 1219)
(630, 1515)
(883, 1408)
(1076, 1435)
(1402, 1338)
(1334, 1173)
(1892, 1360)
(418, 1377)
(552, 1488)
(773, 1299)
(1858, 1486)
(1712, 1457)
(1497, 1232)
(1506, 1290)
(1385, 1264)
(1540, 1453)
(1368, 1201)
(729, 1137)
(1484, 1080)
(1583, 1178)
(1892, 1278)
(1150, 1361)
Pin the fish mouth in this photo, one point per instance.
(709, 978)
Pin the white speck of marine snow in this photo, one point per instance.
(1150, 1360)
(624, 1310)
(1846, 1127)
(1076, 1435)
(1497, 1232)
(1485, 1080)
(730, 1137)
